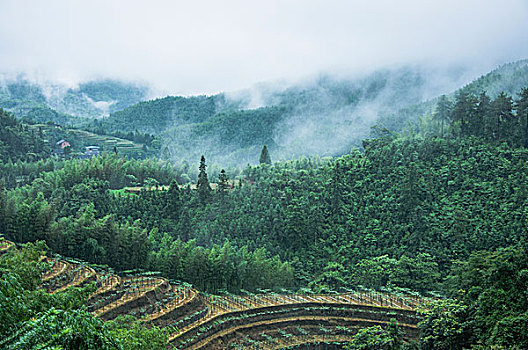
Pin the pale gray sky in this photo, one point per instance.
(210, 46)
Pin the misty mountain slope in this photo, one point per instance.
(322, 116)
(332, 116)
(236, 137)
(156, 116)
(37, 111)
(117, 94)
(92, 99)
(509, 78)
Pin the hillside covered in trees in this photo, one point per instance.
(509, 79)
(18, 141)
(362, 219)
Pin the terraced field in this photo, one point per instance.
(254, 321)
(106, 142)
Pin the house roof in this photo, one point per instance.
(60, 141)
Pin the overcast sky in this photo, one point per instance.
(188, 47)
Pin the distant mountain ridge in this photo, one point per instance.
(156, 116)
(60, 103)
(322, 116)
(325, 116)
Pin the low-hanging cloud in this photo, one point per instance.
(210, 46)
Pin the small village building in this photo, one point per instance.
(62, 144)
(58, 150)
(91, 151)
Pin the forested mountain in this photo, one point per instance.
(509, 78)
(158, 115)
(409, 205)
(59, 103)
(322, 116)
(325, 116)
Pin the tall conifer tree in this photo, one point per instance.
(203, 187)
(521, 106)
(443, 112)
(265, 156)
(222, 182)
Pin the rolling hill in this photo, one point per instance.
(45, 101)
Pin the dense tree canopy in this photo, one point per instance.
(17, 142)
(396, 215)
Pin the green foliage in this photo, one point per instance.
(221, 267)
(20, 300)
(18, 142)
(118, 171)
(493, 285)
(30, 318)
(202, 186)
(25, 265)
(222, 183)
(443, 112)
(133, 335)
(58, 329)
(509, 79)
(332, 278)
(372, 338)
(491, 304)
(499, 120)
(446, 324)
(395, 216)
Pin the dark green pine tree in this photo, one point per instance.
(464, 113)
(442, 112)
(203, 187)
(264, 156)
(502, 108)
(222, 183)
(3, 203)
(485, 128)
(521, 105)
(172, 201)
